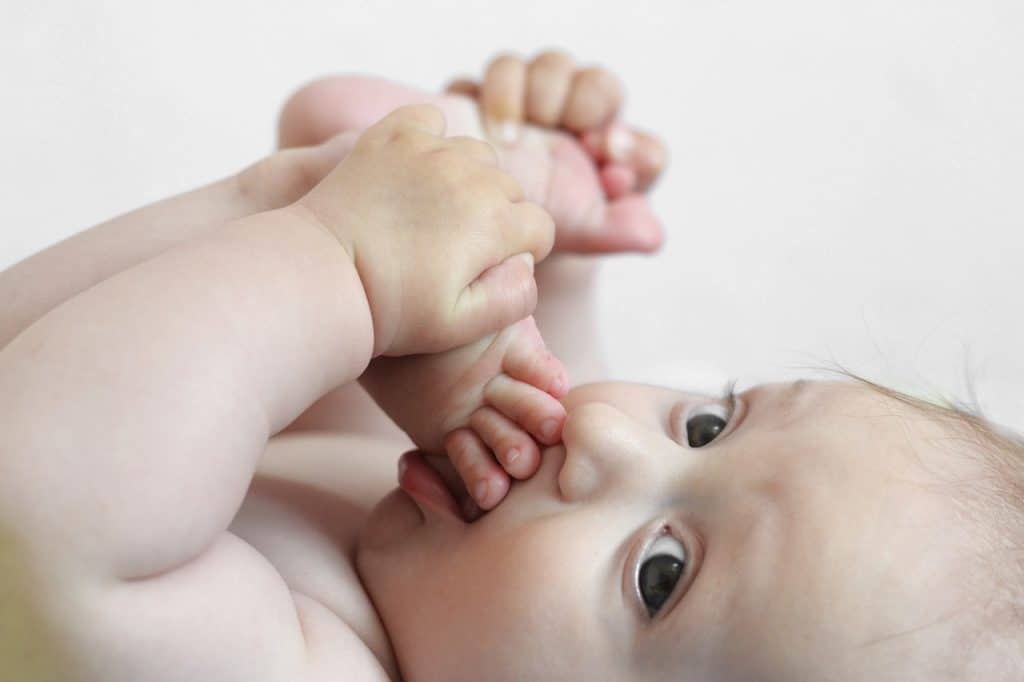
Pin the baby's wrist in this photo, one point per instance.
(351, 287)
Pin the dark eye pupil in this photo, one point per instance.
(703, 428)
(658, 577)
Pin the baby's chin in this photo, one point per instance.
(393, 519)
(396, 518)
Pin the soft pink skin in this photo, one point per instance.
(553, 167)
(816, 551)
(866, 559)
(476, 404)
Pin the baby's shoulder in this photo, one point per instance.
(309, 499)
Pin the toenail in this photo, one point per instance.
(620, 144)
(508, 133)
(548, 428)
(480, 491)
(511, 456)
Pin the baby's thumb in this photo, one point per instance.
(327, 155)
(503, 294)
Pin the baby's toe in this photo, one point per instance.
(618, 180)
(486, 482)
(512, 446)
(529, 361)
(526, 406)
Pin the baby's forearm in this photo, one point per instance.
(134, 415)
(40, 283)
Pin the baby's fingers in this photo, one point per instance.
(486, 482)
(501, 98)
(500, 296)
(506, 292)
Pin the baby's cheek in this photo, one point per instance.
(527, 610)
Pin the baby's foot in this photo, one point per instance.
(588, 183)
(486, 405)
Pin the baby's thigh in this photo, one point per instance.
(309, 498)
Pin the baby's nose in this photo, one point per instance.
(606, 452)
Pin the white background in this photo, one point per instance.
(847, 180)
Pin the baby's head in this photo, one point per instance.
(800, 532)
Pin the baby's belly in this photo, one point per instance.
(303, 512)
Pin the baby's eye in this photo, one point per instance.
(704, 424)
(664, 563)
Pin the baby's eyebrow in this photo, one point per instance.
(790, 401)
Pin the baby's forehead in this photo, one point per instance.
(888, 413)
(860, 507)
(845, 455)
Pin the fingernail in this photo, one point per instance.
(505, 132)
(528, 259)
(548, 428)
(480, 491)
(620, 143)
(402, 466)
(511, 456)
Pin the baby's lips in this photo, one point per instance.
(446, 470)
(428, 488)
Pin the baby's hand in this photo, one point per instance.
(443, 242)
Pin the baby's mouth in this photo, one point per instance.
(432, 482)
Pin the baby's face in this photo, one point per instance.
(800, 542)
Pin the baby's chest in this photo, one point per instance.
(303, 513)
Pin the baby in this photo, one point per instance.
(149, 531)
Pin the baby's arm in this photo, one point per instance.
(133, 418)
(134, 414)
(41, 282)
